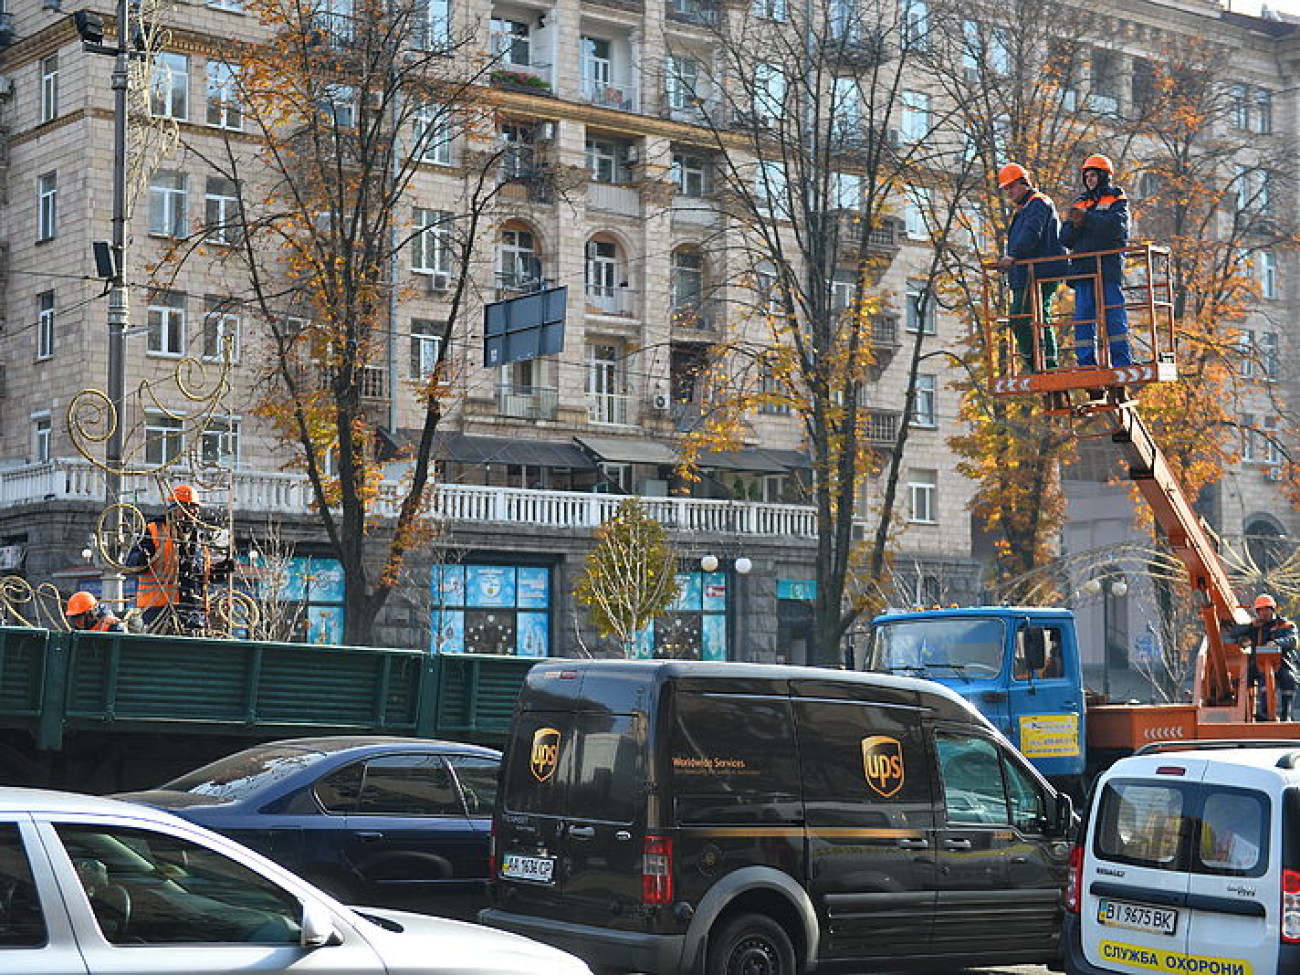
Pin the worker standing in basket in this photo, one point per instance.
(1034, 232)
(1098, 221)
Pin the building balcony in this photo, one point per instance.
(532, 79)
(702, 13)
(622, 97)
(261, 493)
(611, 301)
(702, 315)
(528, 402)
(882, 427)
(614, 198)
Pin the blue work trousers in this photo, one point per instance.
(1085, 323)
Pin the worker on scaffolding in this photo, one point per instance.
(1098, 221)
(175, 556)
(1269, 631)
(1034, 232)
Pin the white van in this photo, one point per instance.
(1189, 861)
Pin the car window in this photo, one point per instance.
(971, 770)
(339, 791)
(408, 785)
(1028, 804)
(153, 888)
(478, 782)
(22, 923)
(1141, 823)
(1233, 833)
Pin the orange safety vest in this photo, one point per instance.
(157, 585)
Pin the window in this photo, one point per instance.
(1266, 263)
(1240, 107)
(221, 211)
(335, 20)
(846, 109)
(1272, 445)
(433, 28)
(1105, 77)
(431, 243)
(219, 442)
(686, 288)
(220, 329)
(1141, 824)
(846, 191)
(606, 392)
(770, 187)
(519, 159)
(41, 429)
(922, 487)
(605, 159)
(926, 411)
(45, 325)
(234, 6)
(1246, 349)
(167, 198)
(597, 63)
(1267, 353)
(510, 42)
(25, 919)
(681, 78)
(774, 400)
(844, 288)
(50, 88)
(338, 105)
(770, 89)
(920, 309)
(426, 347)
(1248, 437)
(916, 116)
(602, 270)
(47, 206)
(164, 437)
(769, 9)
(917, 205)
(169, 87)
(432, 134)
(1264, 112)
(166, 322)
(518, 267)
(223, 901)
(690, 174)
(916, 24)
(491, 609)
(224, 110)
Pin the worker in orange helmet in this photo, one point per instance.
(1271, 631)
(85, 612)
(175, 564)
(1034, 232)
(1098, 220)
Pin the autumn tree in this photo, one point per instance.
(817, 130)
(630, 577)
(330, 120)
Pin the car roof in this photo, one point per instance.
(1283, 756)
(338, 743)
(16, 799)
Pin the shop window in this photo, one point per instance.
(502, 609)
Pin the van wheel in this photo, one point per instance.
(751, 944)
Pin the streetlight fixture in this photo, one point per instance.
(1107, 585)
(112, 265)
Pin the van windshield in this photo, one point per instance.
(965, 649)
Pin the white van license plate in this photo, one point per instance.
(1138, 917)
(516, 866)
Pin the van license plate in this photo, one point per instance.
(1138, 917)
(516, 866)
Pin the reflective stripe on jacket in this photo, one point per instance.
(1105, 227)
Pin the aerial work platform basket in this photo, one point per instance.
(1148, 300)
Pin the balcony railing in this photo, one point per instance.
(258, 492)
(702, 12)
(528, 402)
(701, 315)
(882, 427)
(602, 300)
(614, 198)
(622, 97)
(611, 408)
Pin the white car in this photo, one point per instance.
(93, 886)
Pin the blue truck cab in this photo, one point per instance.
(1018, 665)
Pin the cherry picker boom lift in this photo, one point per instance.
(1220, 707)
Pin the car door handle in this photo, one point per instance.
(369, 835)
(921, 844)
(582, 832)
(956, 844)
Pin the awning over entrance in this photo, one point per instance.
(754, 460)
(466, 449)
(617, 450)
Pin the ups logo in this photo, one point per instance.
(546, 751)
(882, 764)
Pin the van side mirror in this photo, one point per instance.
(1063, 815)
(1035, 641)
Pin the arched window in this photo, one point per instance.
(519, 269)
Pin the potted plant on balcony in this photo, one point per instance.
(519, 81)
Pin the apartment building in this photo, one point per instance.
(610, 185)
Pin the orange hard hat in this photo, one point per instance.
(1009, 173)
(1265, 601)
(81, 602)
(182, 493)
(1098, 161)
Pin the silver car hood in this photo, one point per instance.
(440, 946)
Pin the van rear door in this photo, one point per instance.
(1133, 913)
(570, 823)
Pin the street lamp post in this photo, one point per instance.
(1109, 585)
(91, 29)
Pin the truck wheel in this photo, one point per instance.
(751, 944)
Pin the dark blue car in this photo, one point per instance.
(400, 822)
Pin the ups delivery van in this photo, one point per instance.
(683, 816)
